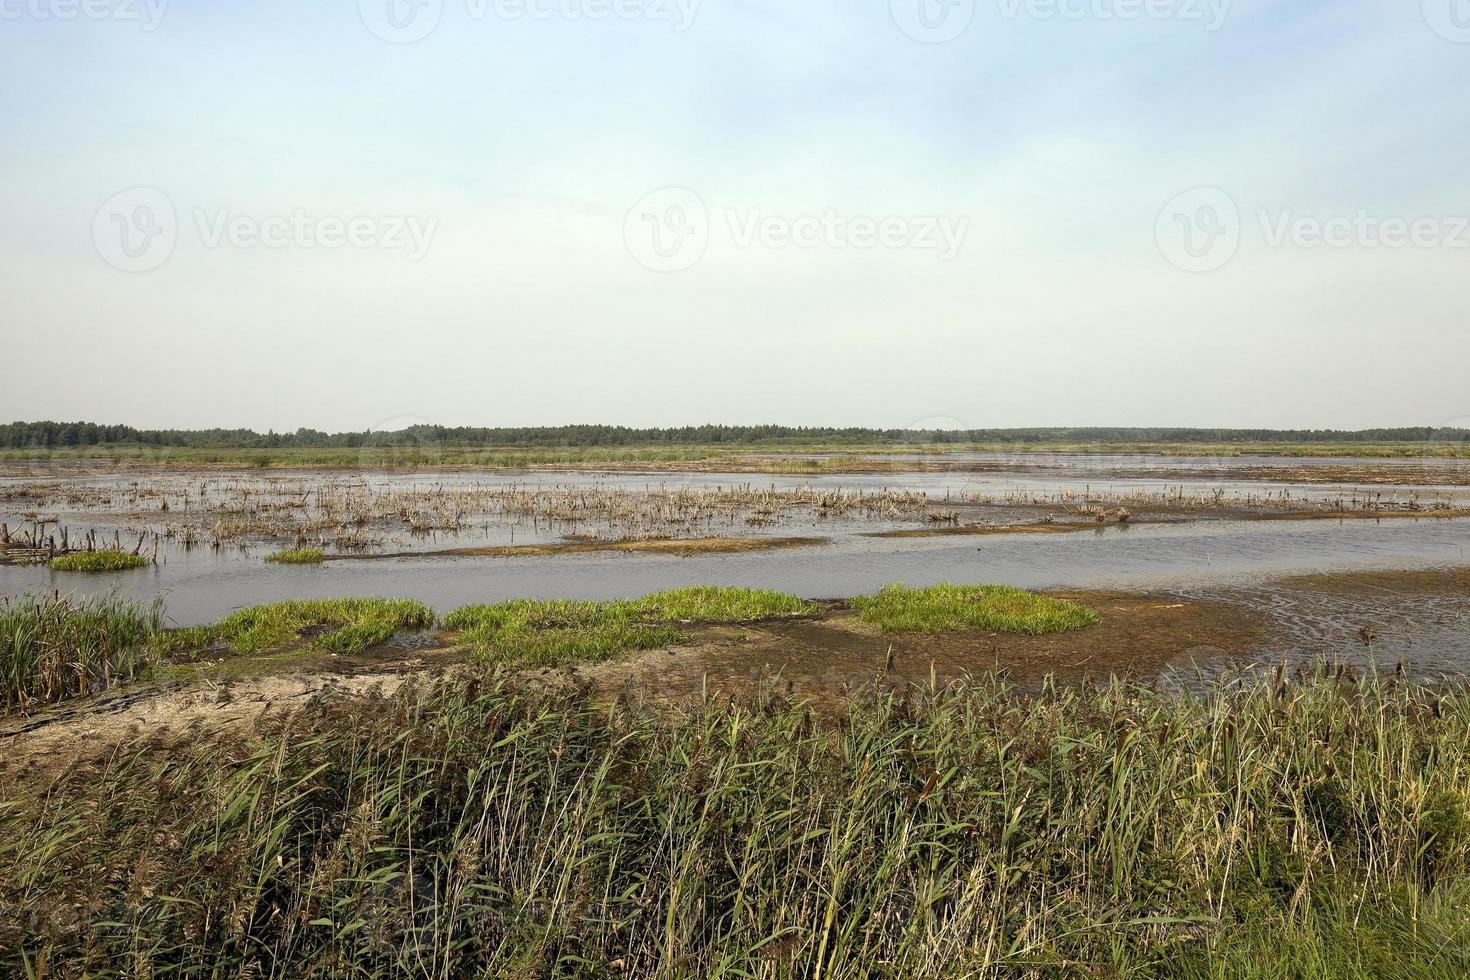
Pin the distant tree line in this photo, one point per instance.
(29, 435)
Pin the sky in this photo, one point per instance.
(365, 214)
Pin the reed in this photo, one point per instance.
(58, 646)
(476, 828)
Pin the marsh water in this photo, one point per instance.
(1232, 559)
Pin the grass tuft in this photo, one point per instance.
(953, 608)
(337, 625)
(97, 561)
(299, 556)
(57, 647)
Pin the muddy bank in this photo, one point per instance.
(826, 659)
(677, 547)
(1353, 616)
(1072, 524)
(823, 659)
(1432, 471)
(1428, 581)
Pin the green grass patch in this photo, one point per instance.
(298, 556)
(953, 608)
(57, 647)
(337, 625)
(555, 633)
(97, 561)
(709, 604)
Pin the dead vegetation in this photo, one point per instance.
(346, 514)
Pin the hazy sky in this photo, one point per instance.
(938, 212)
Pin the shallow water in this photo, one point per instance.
(202, 585)
(1229, 560)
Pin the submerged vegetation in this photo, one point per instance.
(335, 625)
(951, 608)
(97, 561)
(555, 633)
(59, 646)
(298, 556)
(474, 828)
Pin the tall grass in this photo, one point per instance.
(59, 646)
(952, 608)
(478, 829)
(554, 633)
